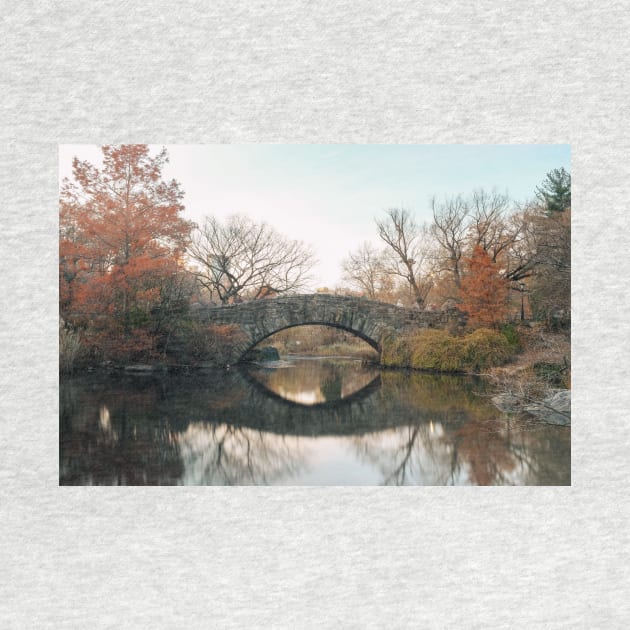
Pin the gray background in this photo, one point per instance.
(388, 72)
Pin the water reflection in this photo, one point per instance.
(315, 380)
(222, 454)
(478, 453)
(360, 427)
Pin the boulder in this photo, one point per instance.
(554, 409)
(267, 353)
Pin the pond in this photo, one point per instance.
(300, 421)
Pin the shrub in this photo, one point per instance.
(486, 348)
(223, 338)
(197, 341)
(511, 333)
(437, 350)
(108, 341)
(69, 349)
(555, 374)
(395, 351)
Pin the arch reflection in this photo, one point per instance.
(313, 382)
(227, 428)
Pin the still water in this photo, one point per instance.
(300, 421)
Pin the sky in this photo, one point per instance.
(329, 195)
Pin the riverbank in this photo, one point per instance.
(436, 350)
(526, 360)
(356, 349)
(510, 352)
(528, 367)
(537, 380)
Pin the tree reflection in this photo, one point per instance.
(227, 455)
(141, 432)
(407, 455)
(224, 428)
(116, 447)
(479, 452)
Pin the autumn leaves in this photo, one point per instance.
(121, 244)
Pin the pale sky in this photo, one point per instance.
(329, 195)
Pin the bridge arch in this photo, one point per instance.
(367, 319)
(372, 342)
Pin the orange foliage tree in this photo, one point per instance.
(121, 246)
(483, 290)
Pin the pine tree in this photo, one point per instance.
(555, 191)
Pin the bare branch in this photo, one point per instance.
(240, 259)
(408, 247)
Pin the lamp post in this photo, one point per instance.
(522, 288)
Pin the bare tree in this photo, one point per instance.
(519, 257)
(449, 228)
(490, 227)
(241, 258)
(551, 282)
(488, 220)
(408, 250)
(365, 269)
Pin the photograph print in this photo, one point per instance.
(311, 315)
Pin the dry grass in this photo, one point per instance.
(540, 347)
(439, 351)
(69, 349)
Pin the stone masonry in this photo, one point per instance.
(367, 319)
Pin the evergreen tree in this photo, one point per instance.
(555, 191)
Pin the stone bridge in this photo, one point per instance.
(367, 319)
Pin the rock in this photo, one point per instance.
(554, 409)
(268, 353)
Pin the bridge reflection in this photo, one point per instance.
(311, 381)
(364, 411)
(227, 428)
